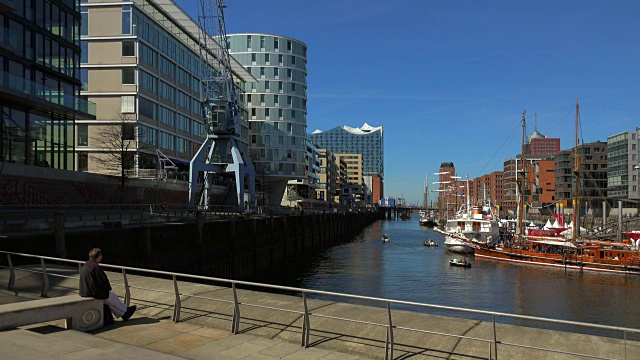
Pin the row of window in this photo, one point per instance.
(150, 56)
(276, 43)
(170, 117)
(48, 51)
(160, 39)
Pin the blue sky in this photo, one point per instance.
(449, 80)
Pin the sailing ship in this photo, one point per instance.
(551, 247)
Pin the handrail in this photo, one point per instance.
(306, 326)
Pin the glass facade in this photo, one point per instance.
(277, 102)
(367, 140)
(40, 83)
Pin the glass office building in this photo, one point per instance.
(366, 140)
(277, 104)
(141, 64)
(40, 82)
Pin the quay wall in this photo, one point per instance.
(244, 248)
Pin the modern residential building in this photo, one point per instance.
(622, 166)
(140, 64)
(277, 104)
(593, 176)
(354, 176)
(328, 183)
(366, 140)
(343, 196)
(307, 186)
(40, 98)
(486, 188)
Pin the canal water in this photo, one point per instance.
(405, 269)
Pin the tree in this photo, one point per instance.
(292, 195)
(262, 178)
(117, 141)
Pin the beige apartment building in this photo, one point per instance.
(140, 64)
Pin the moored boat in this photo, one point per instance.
(460, 263)
(430, 243)
(479, 225)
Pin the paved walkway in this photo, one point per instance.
(144, 337)
(270, 328)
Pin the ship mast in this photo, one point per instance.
(521, 190)
(576, 172)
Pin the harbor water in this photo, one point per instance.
(405, 269)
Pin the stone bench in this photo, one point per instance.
(83, 314)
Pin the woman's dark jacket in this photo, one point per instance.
(93, 281)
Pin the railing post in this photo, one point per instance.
(177, 304)
(12, 274)
(235, 322)
(388, 346)
(305, 322)
(625, 344)
(127, 293)
(495, 338)
(45, 279)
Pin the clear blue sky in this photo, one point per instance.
(449, 80)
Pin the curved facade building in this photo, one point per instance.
(277, 105)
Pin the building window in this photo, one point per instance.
(128, 76)
(84, 78)
(84, 25)
(249, 42)
(280, 59)
(253, 58)
(83, 135)
(289, 73)
(293, 87)
(128, 48)
(262, 42)
(276, 73)
(126, 19)
(293, 60)
(84, 48)
(266, 59)
(267, 86)
(289, 45)
(262, 72)
(83, 161)
(128, 104)
(275, 43)
(276, 100)
(266, 113)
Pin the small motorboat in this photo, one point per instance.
(385, 238)
(460, 262)
(430, 243)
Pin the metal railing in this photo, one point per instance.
(306, 314)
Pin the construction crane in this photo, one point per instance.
(222, 151)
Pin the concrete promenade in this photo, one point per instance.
(266, 333)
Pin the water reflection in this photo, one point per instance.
(405, 269)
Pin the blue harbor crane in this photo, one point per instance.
(222, 151)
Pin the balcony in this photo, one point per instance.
(24, 91)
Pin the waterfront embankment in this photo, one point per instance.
(248, 248)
